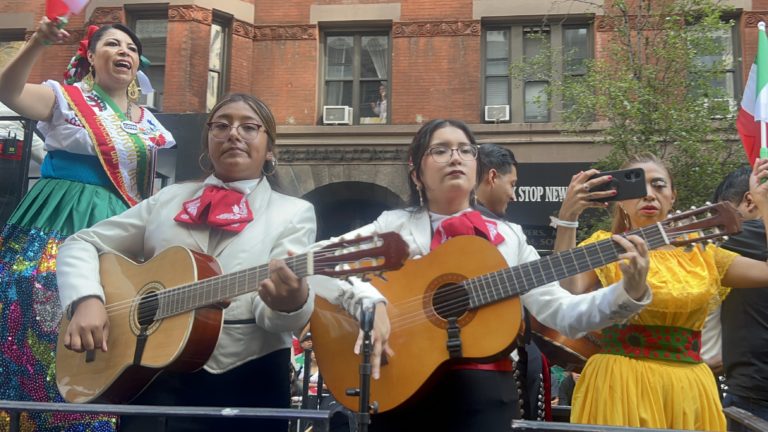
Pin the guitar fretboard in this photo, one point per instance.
(194, 295)
(518, 280)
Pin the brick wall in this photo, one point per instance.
(284, 74)
(186, 70)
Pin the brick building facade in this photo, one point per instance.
(439, 58)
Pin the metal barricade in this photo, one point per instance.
(319, 418)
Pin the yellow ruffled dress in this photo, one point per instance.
(643, 392)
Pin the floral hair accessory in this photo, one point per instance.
(79, 66)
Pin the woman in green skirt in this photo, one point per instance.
(100, 147)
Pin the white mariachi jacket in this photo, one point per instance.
(553, 306)
(281, 224)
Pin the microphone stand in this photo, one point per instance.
(364, 392)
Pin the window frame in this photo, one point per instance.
(357, 34)
(135, 13)
(224, 21)
(516, 88)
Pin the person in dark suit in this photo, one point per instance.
(744, 314)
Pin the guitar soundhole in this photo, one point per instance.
(450, 301)
(147, 309)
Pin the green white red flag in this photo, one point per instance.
(753, 113)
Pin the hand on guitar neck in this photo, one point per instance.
(283, 291)
(634, 263)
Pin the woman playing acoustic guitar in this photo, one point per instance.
(472, 396)
(237, 217)
(650, 373)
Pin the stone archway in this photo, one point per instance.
(346, 205)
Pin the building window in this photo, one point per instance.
(724, 80)
(356, 72)
(218, 55)
(527, 96)
(152, 29)
(10, 44)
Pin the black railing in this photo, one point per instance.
(319, 418)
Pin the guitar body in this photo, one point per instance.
(571, 354)
(182, 342)
(418, 335)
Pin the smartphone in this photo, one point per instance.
(629, 184)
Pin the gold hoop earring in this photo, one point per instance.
(133, 91)
(200, 162)
(274, 167)
(88, 79)
(625, 218)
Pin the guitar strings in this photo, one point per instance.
(499, 290)
(202, 286)
(414, 318)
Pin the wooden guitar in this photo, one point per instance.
(571, 354)
(163, 316)
(466, 280)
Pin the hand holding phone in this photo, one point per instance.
(628, 184)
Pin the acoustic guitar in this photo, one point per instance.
(466, 283)
(163, 312)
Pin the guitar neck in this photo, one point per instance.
(206, 292)
(518, 280)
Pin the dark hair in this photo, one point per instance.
(98, 34)
(619, 224)
(268, 121)
(734, 186)
(493, 156)
(418, 148)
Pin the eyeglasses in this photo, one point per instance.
(247, 131)
(443, 154)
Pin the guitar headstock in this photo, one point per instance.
(705, 223)
(362, 255)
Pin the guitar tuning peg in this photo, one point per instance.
(707, 203)
(724, 238)
(688, 248)
(693, 207)
(677, 212)
(365, 278)
(381, 276)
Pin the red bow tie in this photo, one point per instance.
(467, 223)
(219, 208)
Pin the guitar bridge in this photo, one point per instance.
(453, 344)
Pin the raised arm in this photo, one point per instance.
(34, 101)
(577, 199)
(746, 272)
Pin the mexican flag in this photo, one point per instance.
(754, 104)
(63, 8)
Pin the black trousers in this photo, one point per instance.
(460, 400)
(260, 383)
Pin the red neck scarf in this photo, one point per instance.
(467, 223)
(219, 208)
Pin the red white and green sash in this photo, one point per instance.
(126, 164)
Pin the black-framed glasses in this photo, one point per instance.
(247, 131)
(443, 154)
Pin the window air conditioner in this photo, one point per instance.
(497, 113)
(337, 115)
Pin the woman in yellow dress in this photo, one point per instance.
(650, 372)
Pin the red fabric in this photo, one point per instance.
(467, 223)
(219, 208)
(546, 381)
(749, 130)
(82, 48)
(502, 364)
(55, 9)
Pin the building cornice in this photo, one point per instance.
(436, 28)
(190, 13)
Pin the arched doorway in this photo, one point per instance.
(344, 206)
